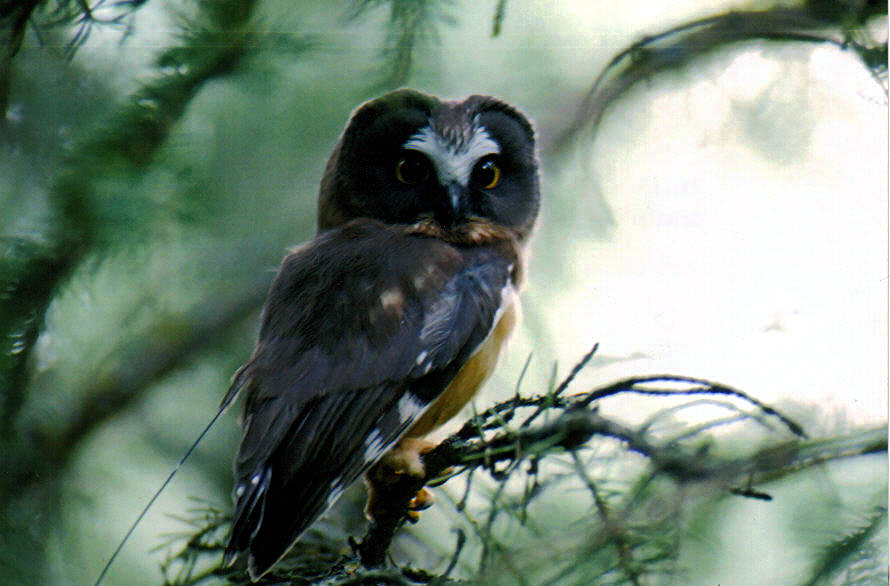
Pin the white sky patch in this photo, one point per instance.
(453, 162)
(749, 74)
(752, 251)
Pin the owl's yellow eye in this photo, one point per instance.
(413, 168)
(487, 174)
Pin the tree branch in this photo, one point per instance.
(500, 450)
(678, 46)
(578, 423)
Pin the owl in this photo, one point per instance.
(382, 328)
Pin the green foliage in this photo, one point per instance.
(854, 555)
(411, 24)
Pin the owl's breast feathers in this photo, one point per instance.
(363, 331)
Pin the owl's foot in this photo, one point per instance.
(406, 458)
(402, 464)
(422, 501)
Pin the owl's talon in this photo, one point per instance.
(407, 458)
(422, 500)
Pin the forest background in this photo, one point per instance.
(715, 205)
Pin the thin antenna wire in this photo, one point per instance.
(158, 493)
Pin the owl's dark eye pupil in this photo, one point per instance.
(486, 173)
(413, 168)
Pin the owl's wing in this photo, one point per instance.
(363, 329)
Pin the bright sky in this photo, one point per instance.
(750, 243)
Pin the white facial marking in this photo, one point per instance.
(453, 162)
(421, 357)
(256, 479)
(239, 492)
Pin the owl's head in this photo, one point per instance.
(408, 157)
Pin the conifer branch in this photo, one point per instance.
(487, 442)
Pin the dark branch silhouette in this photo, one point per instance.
(677, 47)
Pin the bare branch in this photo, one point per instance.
(677, 47)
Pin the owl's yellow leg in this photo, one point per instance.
(403, 462)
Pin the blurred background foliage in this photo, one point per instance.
(729, 220)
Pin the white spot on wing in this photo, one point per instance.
(335, 491)
(410, 406)
(425, 275)
(453, 162)
(508, 298)
(439, 315)
(392, 299)
(424, 361)
(373, 445)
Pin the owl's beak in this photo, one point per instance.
(457, 201)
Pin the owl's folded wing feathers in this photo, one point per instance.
(354, 346)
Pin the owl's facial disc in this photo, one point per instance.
(453, 157)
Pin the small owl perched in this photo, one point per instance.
(383, 327)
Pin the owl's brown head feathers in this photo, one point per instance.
(410, 158)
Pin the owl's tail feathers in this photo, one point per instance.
(270, 519)
(250, 497)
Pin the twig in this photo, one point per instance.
(701, 387)
(486, 442)
(613, 529)
(562, 386)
